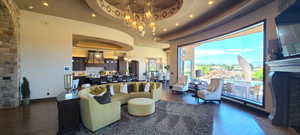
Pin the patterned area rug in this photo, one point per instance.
(170, 118)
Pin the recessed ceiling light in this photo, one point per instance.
(210, 2)
(177, 24)
(134, 23)
(45, 4)
(191, 16)
(164, 29)
(93, 15)
(30, 7)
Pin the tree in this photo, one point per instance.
(204, 68)
(258, 75)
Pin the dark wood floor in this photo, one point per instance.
(40, 118)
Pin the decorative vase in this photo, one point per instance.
(68, 78)
(26, 101)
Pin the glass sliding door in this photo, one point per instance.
(187, 68)
(238, 58)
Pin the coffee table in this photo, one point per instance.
(141, 106)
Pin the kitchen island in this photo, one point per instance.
(105, 79)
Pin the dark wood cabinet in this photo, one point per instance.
(79, 63)
(122, 65)
(68, 113)
(134, 67)
(111, 65)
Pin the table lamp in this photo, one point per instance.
(198, 74)
(68, 78)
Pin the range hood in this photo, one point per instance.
(95, 59)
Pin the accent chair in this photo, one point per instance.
(181, 85)
(213, 92)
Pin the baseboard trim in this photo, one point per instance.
(247, 107)
(43, 99)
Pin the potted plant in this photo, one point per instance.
(167, 67)
(25, 90)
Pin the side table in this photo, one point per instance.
(68, 113)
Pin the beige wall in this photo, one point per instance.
(268, 12)
(79, 52)
(46, 47)
(83, 52)
(141, 54)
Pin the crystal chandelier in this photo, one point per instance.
(142, 22)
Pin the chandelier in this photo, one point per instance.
(140, 15)
(142, 22)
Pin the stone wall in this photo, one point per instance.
(294, 102)
(9, 54)
(283, 4)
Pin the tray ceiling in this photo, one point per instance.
(191, 11)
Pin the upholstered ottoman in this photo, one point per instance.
(141, 106)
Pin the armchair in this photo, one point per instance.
(181, 85)
(213, 92)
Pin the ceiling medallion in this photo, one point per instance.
(141, 15)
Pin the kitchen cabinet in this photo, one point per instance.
(111, 65)
(134, 68)
(79, 63)
(122, 65)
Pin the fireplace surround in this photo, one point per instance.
(285, 89)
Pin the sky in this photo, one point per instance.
(226, 51)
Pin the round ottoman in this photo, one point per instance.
(141, 106)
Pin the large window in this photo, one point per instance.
(152, 65)
(237, 57)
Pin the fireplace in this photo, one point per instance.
(285, 89)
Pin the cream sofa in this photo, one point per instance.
(96, 116)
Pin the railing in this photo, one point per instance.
(248, 91)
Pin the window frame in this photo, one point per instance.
(244, 101)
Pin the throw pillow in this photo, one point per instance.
(152, 86)
(97, 91)
(147, 87)
(123, 88)
(111, 89)
(158, 85)
(105, 99)
(130, 88)
(141, 87)
(136, 87)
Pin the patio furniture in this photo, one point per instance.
(213, 92)
(241, 89)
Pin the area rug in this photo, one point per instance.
(170, 118)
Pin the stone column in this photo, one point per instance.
(9, 54)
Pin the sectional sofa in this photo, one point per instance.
(96, 116)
